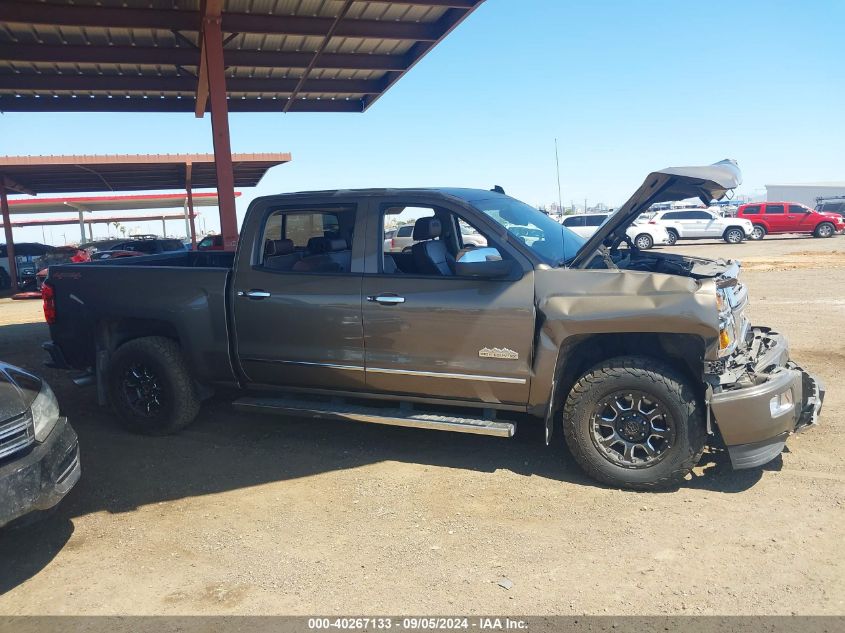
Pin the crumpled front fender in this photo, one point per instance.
(574, 304)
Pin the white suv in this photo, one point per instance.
(691, 224)
(644, 236)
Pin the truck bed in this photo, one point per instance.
(175, 294)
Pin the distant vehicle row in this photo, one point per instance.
(752, 221)
(644, 236)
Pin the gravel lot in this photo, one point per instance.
(266, 515)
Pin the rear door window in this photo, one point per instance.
(308, 239)
(595, 220)
(775, 209)
(574, 220)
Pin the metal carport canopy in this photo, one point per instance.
(35, 175)
(193, 55)
(95, 204)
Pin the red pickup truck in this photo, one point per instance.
(788, 217)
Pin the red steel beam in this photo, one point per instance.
(15, 186)
(10, 240)
(212, 45)
(189, 191)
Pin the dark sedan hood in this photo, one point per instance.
(17, 391)
(706, 183)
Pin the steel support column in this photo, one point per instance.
(190, 205)
(212, 48)
(81, 227)
(10, 241)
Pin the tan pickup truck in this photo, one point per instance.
(637, 356)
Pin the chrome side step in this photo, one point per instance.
(394, 416)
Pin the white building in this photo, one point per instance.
(804, 193)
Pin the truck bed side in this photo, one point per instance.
(100, 305)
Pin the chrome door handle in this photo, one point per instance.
(254, 294)
(387, 300)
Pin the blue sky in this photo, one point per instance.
(626, 87)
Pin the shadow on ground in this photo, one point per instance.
(228, 450)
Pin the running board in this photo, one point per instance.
(394, 416)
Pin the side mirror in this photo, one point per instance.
(483, 262)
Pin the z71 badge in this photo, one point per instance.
(502, 353)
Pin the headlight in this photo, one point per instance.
(45, 412)
(727, 333)
(725, 339)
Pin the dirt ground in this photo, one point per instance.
(267, 515)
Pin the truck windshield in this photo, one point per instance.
(552, 242)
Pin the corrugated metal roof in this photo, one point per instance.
(128, 172)
(143, 55)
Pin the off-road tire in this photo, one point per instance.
(642, 374)
(824, 229)
(734, 235)
(673, 236)
(646, 239)
(180, 400)
(758, 232)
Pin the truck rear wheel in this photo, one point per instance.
(634, 422)
(150, 388)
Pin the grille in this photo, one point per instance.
(16, 435)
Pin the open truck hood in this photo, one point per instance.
(707, 183)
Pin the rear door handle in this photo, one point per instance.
(254, 294)
(387, 300)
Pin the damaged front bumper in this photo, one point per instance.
(767, 399)
(39, 479)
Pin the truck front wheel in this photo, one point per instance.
(634, 422)
(150, 388)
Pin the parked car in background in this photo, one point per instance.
(528, 234)
(27, 256)
(644, 235)
(831, 205)
(150, 245)
(39, 451)
(788, 217)
(696, 224)
(113, 255)
(401, 240)
(62, 255)
(210, 243)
